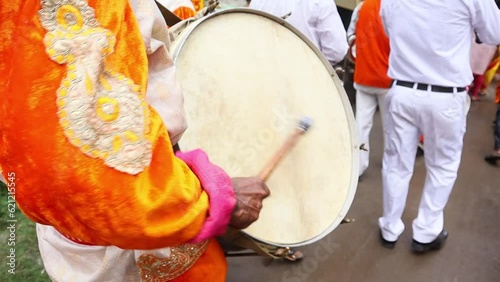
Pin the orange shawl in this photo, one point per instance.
(83, 182)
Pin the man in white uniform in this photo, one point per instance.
(430, 45)
(318, 20)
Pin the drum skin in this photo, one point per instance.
(247, 78)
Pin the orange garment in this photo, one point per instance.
(497, 98)
(490, 73)
(198, 4)
(69, 184)
(372, 48)
(204, 270)
(184, 12)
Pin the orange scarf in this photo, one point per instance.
(83, 181)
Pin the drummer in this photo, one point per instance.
(318, 20)
(93, 66)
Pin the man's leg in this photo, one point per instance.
(401, 138)
(381, 104)
(366, 105)
(497, 125)
(443, 123)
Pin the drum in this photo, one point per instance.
(247, 78)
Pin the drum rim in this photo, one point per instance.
(345, 102)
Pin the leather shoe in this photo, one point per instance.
(492, 158)
(387, 244)
(438, 243)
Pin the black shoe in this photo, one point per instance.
(438, 243)
(492, 158)
(387, 244)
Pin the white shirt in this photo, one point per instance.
(318, 20)
(163, 91)
(351, 30)
(431, 40)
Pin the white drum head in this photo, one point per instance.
(247, 78)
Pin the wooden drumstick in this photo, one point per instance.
(303, 125)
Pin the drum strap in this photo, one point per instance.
(240, 239)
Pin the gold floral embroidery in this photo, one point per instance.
(181, 259)
(100, 110)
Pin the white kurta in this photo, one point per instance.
(481, 56)
(318, 20)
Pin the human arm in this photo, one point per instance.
(248, 191)
(486, 21)
(351, 30)
(384, 12)
(331, 33)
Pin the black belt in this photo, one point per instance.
(433, 88)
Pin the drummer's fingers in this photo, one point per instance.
(265, 190)
(253, 206)
(258, 206)
(249, 218)
(254, 215)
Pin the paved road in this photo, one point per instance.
(352, 253)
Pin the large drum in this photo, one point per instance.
(248, 77)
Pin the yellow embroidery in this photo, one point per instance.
(181, 259)
(101, 111)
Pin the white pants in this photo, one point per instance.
(441, 117)
(65, 260)
(367, 100)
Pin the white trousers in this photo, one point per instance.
(441, 117)
(65, 260)
(367, 100)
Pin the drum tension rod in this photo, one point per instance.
(363, 148)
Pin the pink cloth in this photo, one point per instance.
(219, 188)
(481, 56)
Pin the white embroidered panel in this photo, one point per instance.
(100, 110)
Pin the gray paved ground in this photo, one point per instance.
(352, 253)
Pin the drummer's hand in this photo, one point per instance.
(250, 192)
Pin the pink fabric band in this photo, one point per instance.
(217, 184)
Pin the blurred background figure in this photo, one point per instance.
(318, 20)
(490, 73)
(370, 74)
(495, 155)
(480, 58)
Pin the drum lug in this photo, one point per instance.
(363, 148)
(288, 254)
(347, 220)
(212, 5)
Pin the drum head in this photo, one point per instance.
(248, 77)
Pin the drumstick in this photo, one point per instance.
(303, 125)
